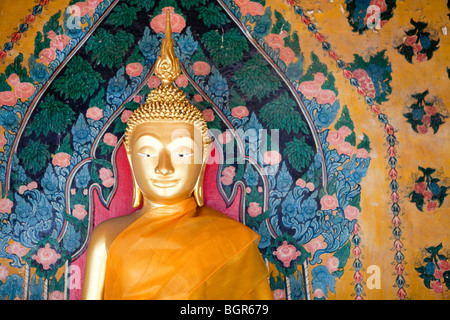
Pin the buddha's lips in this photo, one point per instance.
(165, 183)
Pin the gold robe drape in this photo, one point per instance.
(184, 252)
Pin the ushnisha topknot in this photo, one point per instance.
(167, 102)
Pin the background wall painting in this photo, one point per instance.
(335, 113)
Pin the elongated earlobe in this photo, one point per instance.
(137, 193)
(198, 190)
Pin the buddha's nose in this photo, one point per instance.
(164, 166)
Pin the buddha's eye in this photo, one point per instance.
(147, 155)
(182, 155)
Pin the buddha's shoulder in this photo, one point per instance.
(221, 221)
(109, 229)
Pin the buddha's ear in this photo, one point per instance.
(198, 190)
(137, 193)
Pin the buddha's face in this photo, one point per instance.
(166, 159)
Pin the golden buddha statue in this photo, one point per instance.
(174, 247)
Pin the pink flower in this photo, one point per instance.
(287, 55)
(351, 212)
(153, 82)
(438, 273)
(310, 186)
(430, 110)
(301, 183)
(22, 189)
(3, 272)
(59, 42)
(32, 185)
(314, 245)
(134, 69)
(6, 205)
(226, 180)
(309, 88)
(198, 98)
(254, 209)
(380, 4)
(272, 157)
(422, 129)
(410, 40)
(437, 287)
(7, 98)
(325, 96)
(432, 205)
(2, 140)
(252, 8)
(177, 22)
(319, 78)
(17, 249)
(201, 68)
(46, 256)
(110, 139)
(335, 138)
(208, 114)
(182, 81)
(332, 264)
(47, 55)
(24, 90)
(421, 57)
(279, 294)
(137, 98)
(362, 153)
(329, 202)
(420, 187)
(224, 137)
(107, 177)
(51, 34)
(61, 159)
(345, 148)
(229, 172)
(13, 79)
(427, 194)
(275, 41)
(125, 115)
(239, 112)
(416, 47)
(79, 212)
(241, 3)
(56, 295)
(94, 113)
(443, 265)
(344, 131)
(318, 293)
(286, 253)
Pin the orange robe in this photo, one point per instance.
(184, 252)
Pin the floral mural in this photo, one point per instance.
(312, 121)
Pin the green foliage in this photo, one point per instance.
(212, 15)
(34, 156)
(344, 120)
(293, 42)
(254, 79)
(109, 49)
(122, 15)
(365, 143)
(16, 67)
(146, 4)
(280, 23)
(298, 153)
(192, 3)
(79, 80)
(225, 49)
(54, 116)
(42, 41)
(342, 255)
(99, 100)
(281, 114)
(136, 56)
(315, 67)
(4, 86)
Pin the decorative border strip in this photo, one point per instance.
(392, 162)
(29, 19)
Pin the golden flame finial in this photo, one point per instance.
(167, 66)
